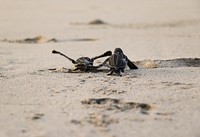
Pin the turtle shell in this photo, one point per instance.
(118, 61)
(84, 61)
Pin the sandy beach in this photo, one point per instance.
(39, 97)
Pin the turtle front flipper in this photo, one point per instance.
(107, 53)
(57, 52)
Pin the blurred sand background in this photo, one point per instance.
(155, 100)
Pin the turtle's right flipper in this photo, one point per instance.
(57, 52)
(131, 65)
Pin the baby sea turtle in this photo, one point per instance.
(118, 61)
(85, 63)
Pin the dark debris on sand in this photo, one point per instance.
(37, 116)
(115, 104)
(97, 22)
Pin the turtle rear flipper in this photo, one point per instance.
(131, 65)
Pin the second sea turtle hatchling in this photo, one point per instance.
(85, 63)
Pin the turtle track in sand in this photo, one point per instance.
(171, 63)
(145, 64)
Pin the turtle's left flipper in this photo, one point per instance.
(131, 65)
(57, 52)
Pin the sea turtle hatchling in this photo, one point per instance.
(118, 61)
(85, 63)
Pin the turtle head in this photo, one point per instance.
(118, 50)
